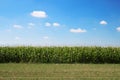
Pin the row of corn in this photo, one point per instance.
(60, 54)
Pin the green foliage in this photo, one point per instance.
(60, 54)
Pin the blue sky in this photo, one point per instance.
(60, 22)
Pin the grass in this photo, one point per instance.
(21, 71)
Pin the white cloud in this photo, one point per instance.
(103, 22)
(17, 38)
(8, 30)
(30, 27)
(78, 30)
(31, 24)
(17, 26)
(118, 29)
(56, 24)
(39, 14)
(45, 37)
(47, 24)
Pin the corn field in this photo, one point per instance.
(60, 54)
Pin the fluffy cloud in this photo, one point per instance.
(56, 24)
(17, 38)
(39, 14)
(17, 26)
(8, 30)
(118, 29)
(31, 24)
(45, 37)
(103, 22)
(47, 24)
(78, 30)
